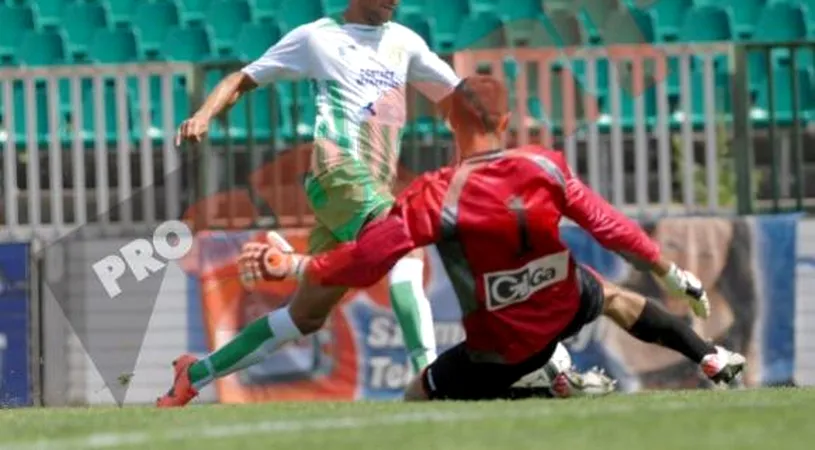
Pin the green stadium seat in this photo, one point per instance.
(746, 14)
(48, 12)
(670, 16)
(445, 18)
(479, 6)
(16, 20)
(295, 13)
(181, 102)
(780, 22)
(20, 108)
(809, 7)
(89, 112)
(511, 10)
(151, 21)
(782, 81)
(412, 6)
(556, 28)
(225, 19)
(120, 12)
(80, 21)
(254, 39)
(338, 6)
(419, 24)
(186, 44)
(630, 26)
(567, 27)
(698, 100)
(39, 48)
(113, 46)
(192, 10)
(266, 9)
(482, 31)
(707, 24)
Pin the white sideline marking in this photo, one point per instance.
(114, 440)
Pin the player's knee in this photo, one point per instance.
(621, 305)
(407, 269)
(309, 323)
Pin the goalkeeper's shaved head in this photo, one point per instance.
(479, 113)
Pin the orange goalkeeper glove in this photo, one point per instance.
(273, 260)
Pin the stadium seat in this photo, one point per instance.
(48, 12)
(419, 24)
(481, 31)
(186, 44)
(89, 112)
(411, 6)
(151, 22)
(631, 26)
(80, 21)
(559, 28)
(254, 39)
(706, 24)
(746, 14)
(295, 13)
(41, 48)
(781, 22)
(192, 10)
(113, 46)
(266, 9)
(782, 81)
(479, 6)
(181, 102)
(721, 101)
(511, 10)
(778, 23)
(120, 12)
(670, 16)
(592, 14)
(20, 106)
(445, 18)
(16, 20)
(225, 19)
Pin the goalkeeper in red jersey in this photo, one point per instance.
(495, 220)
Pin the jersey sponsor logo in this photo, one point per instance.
(395, 55)
(510, 287)
(379, 78)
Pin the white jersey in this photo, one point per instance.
(360, 73)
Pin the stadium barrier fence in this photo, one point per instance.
(648, 127)
(788, 106)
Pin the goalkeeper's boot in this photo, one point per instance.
(723, 367)
(182, 391)
(571, 383)
(552, 381)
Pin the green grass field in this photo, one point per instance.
(755, 419)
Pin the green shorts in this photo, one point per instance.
(343, 202)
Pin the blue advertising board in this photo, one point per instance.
(15, 380)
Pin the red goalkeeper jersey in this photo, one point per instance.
(495, 221)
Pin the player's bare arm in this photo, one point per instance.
(224, 96)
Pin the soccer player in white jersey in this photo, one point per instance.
(360, 63)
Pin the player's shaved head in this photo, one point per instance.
(479, 101)
(479, 114)
(370, 12)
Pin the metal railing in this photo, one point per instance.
(65, 166)
(774, 181)
(656, 130)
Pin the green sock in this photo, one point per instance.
(412, 310)
(253, 344)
